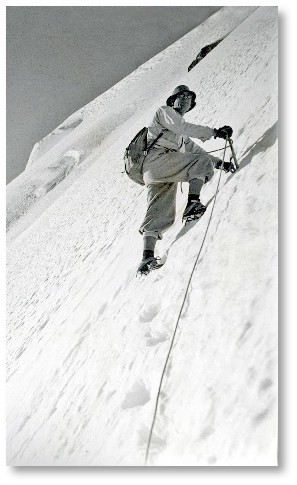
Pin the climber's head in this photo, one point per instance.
(182, 96)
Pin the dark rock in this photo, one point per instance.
(204, 51)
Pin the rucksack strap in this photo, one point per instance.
(155, 141)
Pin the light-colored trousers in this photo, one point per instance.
(162, 170)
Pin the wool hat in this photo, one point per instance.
(178, 90)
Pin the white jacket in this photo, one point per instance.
(178, 131)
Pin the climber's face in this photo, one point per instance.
(182, 102)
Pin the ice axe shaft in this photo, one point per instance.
(233, 158)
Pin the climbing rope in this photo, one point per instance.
(219, 149)
(179, 315)
(213, 151)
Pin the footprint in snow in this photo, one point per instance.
(260, 417)
(155, 339)
(157, 443)
(137, 396)
(207, 431)
(149, 313)
(265, 384)
(143, 436)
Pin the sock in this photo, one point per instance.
(195, 186)
(147, 253)
(149, 243)
(192, 197)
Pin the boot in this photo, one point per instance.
(194, 210)
(149, 262)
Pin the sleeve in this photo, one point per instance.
(174, 122)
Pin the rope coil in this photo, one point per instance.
(180, 313)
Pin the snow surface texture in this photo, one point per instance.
(92, 129)
(87, 341)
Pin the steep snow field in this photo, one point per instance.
(87, 341)
(62, 156)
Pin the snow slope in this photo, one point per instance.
(87, 341)
(77, 143)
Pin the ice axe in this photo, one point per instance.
(233, 158)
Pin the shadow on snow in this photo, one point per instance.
(266, 141)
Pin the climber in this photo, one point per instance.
(175, 158)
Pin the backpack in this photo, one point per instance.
(135, 154)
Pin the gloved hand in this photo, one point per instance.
(224, 132)
(227, 166)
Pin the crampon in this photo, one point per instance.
(193, 212)
(148, 265)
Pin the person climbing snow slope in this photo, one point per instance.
(175, 158)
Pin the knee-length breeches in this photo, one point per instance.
(161, 173)
(160, 213)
